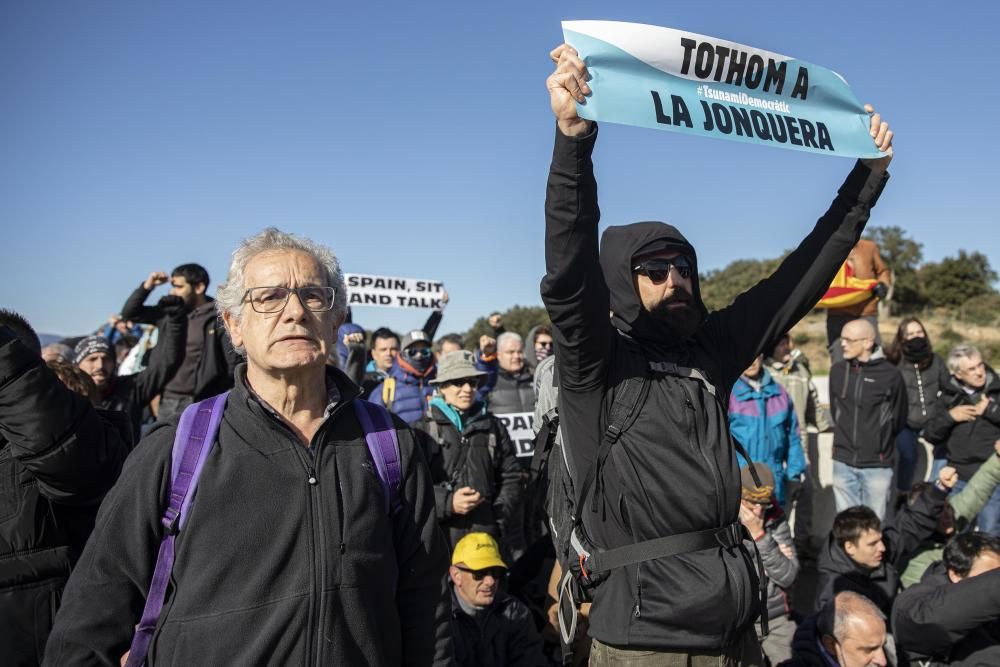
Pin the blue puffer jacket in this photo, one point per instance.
(411, 393)
(765, 424)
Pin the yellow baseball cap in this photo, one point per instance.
(478, 551)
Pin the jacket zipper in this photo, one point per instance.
(318, 575)
(857, 402)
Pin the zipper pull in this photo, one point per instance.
(312, 478)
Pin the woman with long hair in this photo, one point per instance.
(924, 374)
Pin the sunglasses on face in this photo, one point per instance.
(543, 343)
(658, 269)
(461, 382)
(415, 353)
(495, 572)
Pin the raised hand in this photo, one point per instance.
(567, 86)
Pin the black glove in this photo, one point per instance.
(880, 290)
(173, 306)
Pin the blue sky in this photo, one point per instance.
(414, 139)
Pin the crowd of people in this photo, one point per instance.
(258, 479)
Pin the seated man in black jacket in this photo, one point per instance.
(208, 359)
(849, 631)
(488, 627)
(953, 615)
(865, 556)
(671, 471)
(58, 457)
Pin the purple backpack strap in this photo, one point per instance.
(193, 441)
(380, 436)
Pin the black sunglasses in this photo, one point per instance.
(657, 269)
(461, 382)
(495, 572)
(413, 352)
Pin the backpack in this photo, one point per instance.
(585, 565)
(195, 437)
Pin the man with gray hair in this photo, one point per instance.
(868, 402)
(966, 422)
(514, 390)
(848, 631)
(293, 553)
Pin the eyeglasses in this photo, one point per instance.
(274, 299)
(853, 340)
(543, 343)
(658, 268)
(495, 572)
(461, 382)
(413, 352)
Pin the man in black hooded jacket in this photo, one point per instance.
(673, 470)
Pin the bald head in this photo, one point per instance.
(857, 340)
(853, 630)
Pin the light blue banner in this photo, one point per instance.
(668, 79)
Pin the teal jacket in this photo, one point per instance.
(764, 422)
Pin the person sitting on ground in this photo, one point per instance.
(488, 627)
(477, 482)
(765, 522)
(958, 515)
(953, 615)
(864, 555)
(849, 631)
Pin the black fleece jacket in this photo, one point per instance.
(968, 443)
(674, 470)
(868, 402)
(269, 569)
(58, 457)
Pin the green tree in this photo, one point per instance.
(721, 286)
(955, 280)
(520, 319)
(903, 255)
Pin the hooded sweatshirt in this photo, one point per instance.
(674, 469)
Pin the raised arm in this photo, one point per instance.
(134, 309)
(773, 305)
(168, 354)
(573, 289)
(72, 452)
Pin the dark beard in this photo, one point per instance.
(679, 322)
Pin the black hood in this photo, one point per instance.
(618, 246)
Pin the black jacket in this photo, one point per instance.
(922, 389)
(218, 359)
(132, 393)
(58, 457)
(868, 403)
(503, 635)
(674, 470)
(950, 623)
(513, 392)
(269, 569)
(968, 443)
(467, 459)
(902, 536)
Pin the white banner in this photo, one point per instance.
(519, 428)
(391, 292)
